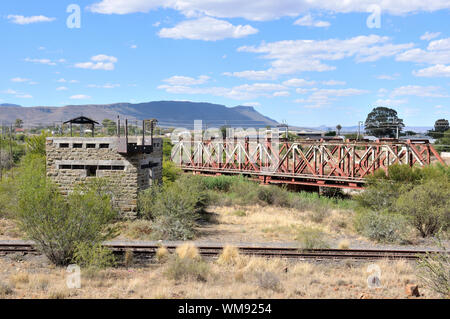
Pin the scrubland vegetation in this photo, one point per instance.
(402, 208)
(184, 274)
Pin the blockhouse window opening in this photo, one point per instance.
(77, 166)
(104, 167)
(90, 145)
(77, 145)
(64, 145)
(103, 145)
(91, 170)
(65, 166)
(118, 168)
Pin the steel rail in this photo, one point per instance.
(270, 252)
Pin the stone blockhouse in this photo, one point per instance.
(127, 164)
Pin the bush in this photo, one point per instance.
(186, 268)
(56, 224)
(319, 214)
(218, 183)
(93, 256)
(173, 209)
(268, 280)
(427, 206)
(273, 195)
(435, 271)
(170, 172)
(312, 238)
(381, 227)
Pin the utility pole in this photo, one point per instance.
(359, 129)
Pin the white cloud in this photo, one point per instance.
(40, 61)
(80, 97)
(417, 90)
(281, 93)
(254, 104)
(264, 9)
(427, 36)
(17, 94)
(133, 46)
(321, 97)
(186, 80)
(308, 21)
(241, 92)
(334, 82)
(206, 29)
(438, 70)
(61, 81)
(9, 91)
(387, 76)
(104, 86)
(24, 96)
(17, 19)
(295, 56)
(437, 52)
(390, 102)
(61, 88)
(19, 80)
(100, 62)
(298, 82)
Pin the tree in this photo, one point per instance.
(338, 128)
(19, 123)
(383, 122)
(443, 143)
(110, 126)
(441, 125)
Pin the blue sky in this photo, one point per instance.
(306, 62)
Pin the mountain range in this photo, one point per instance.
(168, 113)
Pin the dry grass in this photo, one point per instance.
(187, 250)
(246, 277)
(162, 254)
(267, 224)
(8, 230)
(344, 244)
(229, 256)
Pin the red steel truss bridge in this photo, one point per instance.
(323, 163)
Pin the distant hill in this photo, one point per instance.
(168, 113)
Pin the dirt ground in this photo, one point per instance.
(246, 277)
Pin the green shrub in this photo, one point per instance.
(173, 208)
(94, 256)
(186, 268)
(435, 271)
(319, 213)
(57, 224)
(427, 206)
(273, 195)
(170, 172)
(311, 238)
(36, 144)
(381, 227)
(218, 183)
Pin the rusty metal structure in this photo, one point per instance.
(321, 163)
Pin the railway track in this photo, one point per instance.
(143, 250)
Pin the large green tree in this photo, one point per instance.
(383, 122)
(441, 125)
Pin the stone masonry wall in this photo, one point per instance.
(73, 160)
